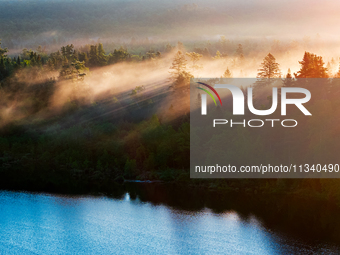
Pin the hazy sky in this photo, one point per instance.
(245, 17)
(31, 22)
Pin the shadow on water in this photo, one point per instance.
(309, 221)
(164, 218)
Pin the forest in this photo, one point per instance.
(77, 120)
(97, 93)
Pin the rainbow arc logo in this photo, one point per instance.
(208, 92)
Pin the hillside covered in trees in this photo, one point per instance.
(77, 119)
(93, 93)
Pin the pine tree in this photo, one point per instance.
(288, 81)
(239, 52)
(101, 55)
(2, 65)
(83, 57)
(2, 51)
(3, 72)
(119, 56)
(227, 74)
(270, 69)
(18, 62)
(194, 58)
(312, 66)
(63, 51)
(179, 74)
(50, 65)
(218, 55)
(179, 65)
(39, 60)
(94, 57)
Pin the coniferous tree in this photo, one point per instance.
(227, 74)
(3, 51)
(94, 57)
(101, 55)
(179, 74)
(179, 64)
(288, 81)
(239, 52)
(39, 60)
(83, 57)
(119, 56)
(218, 55)
(269, 68)
(194, 58)
(50, 65)
(312, 66)
(2, 64)
(3, 72)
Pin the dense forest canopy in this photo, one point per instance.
(97, 91)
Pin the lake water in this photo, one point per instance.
(38, 223)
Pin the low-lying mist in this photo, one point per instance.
(140, 87)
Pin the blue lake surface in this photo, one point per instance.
(36, 223)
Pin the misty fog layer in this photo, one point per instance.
(95, 92)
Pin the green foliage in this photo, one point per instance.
(118, 56)
(130, 168)
(107, 150)
(2, 51)
(4, 72)
(179, 75)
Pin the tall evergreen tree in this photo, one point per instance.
(239, 52)
(179, 74)
(312, 66)
(119, 56)
(93, 56)
(288, 81)
(2, 64)
(83, 57)
(3, 51)
(227, 74)
(269, 68)
(194, 58)
(3, 72)
(101, 55)
(179, 65)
